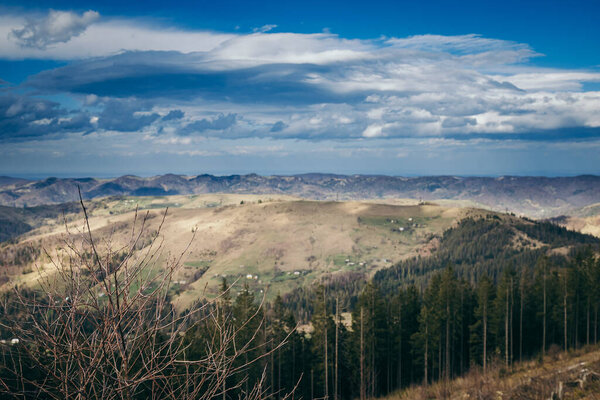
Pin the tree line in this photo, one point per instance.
(387, 341)
(483, 298)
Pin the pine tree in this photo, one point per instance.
(323, 328)
(363, 385)
(541, 282)
(426, 340)
(503, 313)
(248, 320)
(480, 330)
(337, 324)
(565, 284)
(224, 316)
(449, 299)
(373, 338)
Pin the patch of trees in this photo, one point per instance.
(15, 221)
(19, 254)
(412, 335)
(555, 235)
(344, 286)
(10, 228)
(483, 247)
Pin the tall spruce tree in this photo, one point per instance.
(480, 337)
(248, 319)
(322, 347)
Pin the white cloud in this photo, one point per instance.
(56, 27)
(373, 131)
(265, 28)
(555, 80)
(102, 38)
(294, 48)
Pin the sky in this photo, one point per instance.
(107, 88)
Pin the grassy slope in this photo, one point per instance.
(284, 242)
(585, 220)
(529, 380)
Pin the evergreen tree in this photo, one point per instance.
(480, 333)
(322, 346)
(502, 314)
(372, 329)
(248, 321)
(541, 281)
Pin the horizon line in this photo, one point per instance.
(44, 176)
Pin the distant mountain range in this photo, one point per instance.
(532, 196)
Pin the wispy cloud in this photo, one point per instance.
(265, 28)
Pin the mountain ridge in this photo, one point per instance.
(539, 197)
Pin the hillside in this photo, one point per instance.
(585, 219)
(15, 221)
(279, 242)
(574, 375)
(531, 196)
(478, 247)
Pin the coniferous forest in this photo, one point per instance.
(497, 290)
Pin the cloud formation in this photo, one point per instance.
(125, 116)
(74, 37)
(311, 87)
(25, 118)
(218, 123)
(173, 115)
(56, 27)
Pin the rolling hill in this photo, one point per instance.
(272, 242)
(276, 244)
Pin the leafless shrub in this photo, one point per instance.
(101, 325)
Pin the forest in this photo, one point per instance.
(497, 290)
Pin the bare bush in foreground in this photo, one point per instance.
(101, 325)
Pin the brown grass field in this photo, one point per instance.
(575, 375)
(273, 243)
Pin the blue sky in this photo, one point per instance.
(107, 88)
